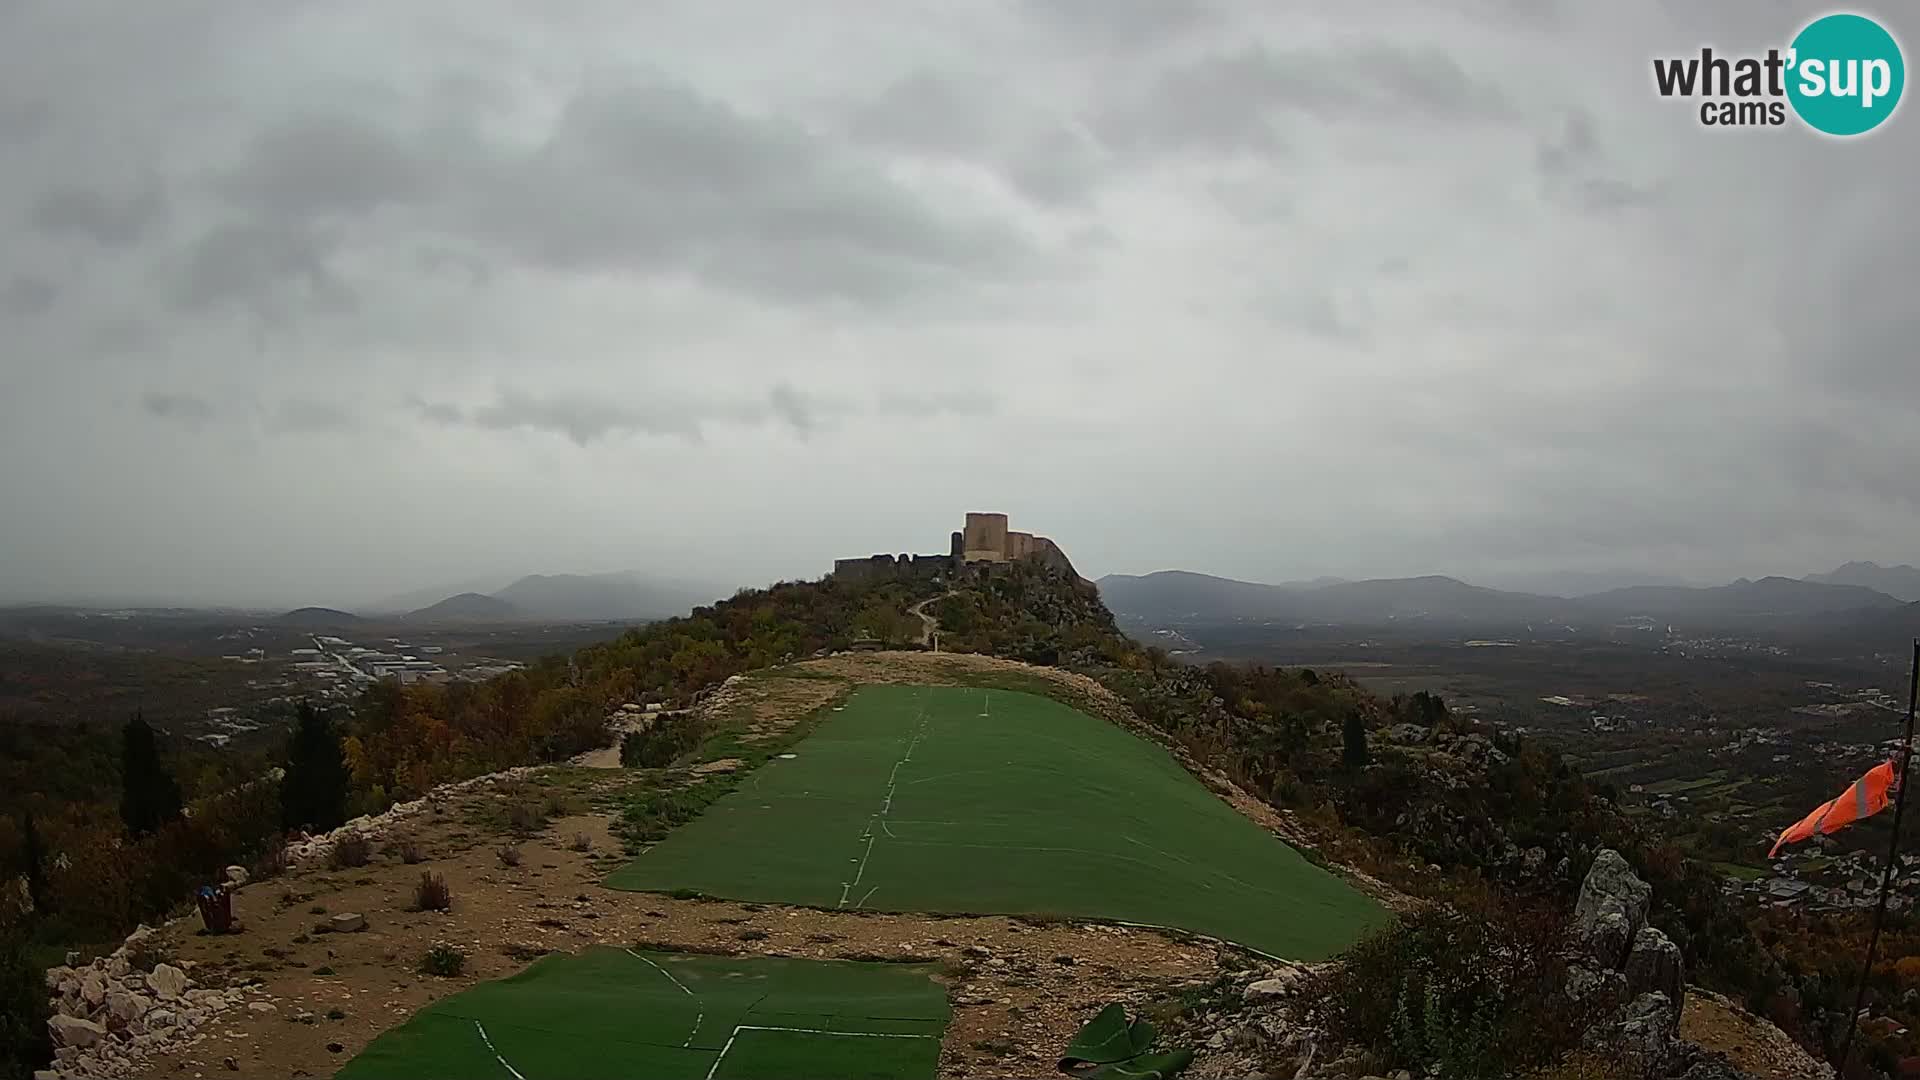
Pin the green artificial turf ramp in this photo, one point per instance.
(950, 799)
(617, 1013)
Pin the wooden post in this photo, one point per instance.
(1893, 862)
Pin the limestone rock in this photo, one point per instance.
(1611, 888)
(93, 988)
(261, 1007)
(1644, 1036)
(125, 1007)
(1267, 989)
(168, 982)
(347, 922)
(1654, 964)
(1607, 939)
(236, 876)
(73, 1031)
(1600, 988)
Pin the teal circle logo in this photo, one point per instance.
(1846, 74)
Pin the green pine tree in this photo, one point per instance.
(313, 794)
(149, 795)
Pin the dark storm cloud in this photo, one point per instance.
(110, 220)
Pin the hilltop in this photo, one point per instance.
(1405, 800)
(318, 618)
(466, 607)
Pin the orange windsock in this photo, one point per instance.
(1867, 796)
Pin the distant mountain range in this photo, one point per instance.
(1900, 582)
(1182, 596)
(534, 598)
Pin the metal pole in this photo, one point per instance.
(1886, 876)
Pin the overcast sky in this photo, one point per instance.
(311, 302)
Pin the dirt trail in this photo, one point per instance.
(928, 624)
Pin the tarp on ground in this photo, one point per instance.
(1110, 1047)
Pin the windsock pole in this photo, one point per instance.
(1893, 858)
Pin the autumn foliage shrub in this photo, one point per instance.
(1475, 992)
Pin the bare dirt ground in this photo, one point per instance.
(1753, 1045)
(1020, 988)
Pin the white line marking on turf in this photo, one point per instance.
(496, 1053)
(697, 1003)
(869, 896)
(800, 1031)
(886, 807)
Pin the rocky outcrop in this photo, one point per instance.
(1654, 966)
(110, 1016)
(1611, 910)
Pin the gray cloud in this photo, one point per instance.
(652, 176)
(256, 266)
(1244, 99)
(325, 164)
(938, 402)
(108, 220)
(582, 420)
(1455, 280)
(189, 410)
(27, 295)
(301, 415)
(1573, 166)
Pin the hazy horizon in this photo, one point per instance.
(318, 304)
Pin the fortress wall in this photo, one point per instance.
(985, 537)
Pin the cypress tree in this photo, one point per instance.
(149, 796)
(313, 794)
(1354, 734)
(35, 859)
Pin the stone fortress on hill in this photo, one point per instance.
(984, 545)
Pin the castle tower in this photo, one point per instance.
(985, 538)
